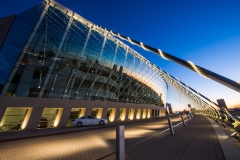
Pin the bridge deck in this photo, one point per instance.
(195, 141)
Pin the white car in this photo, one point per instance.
(89, 120)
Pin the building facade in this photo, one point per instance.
(57, 66)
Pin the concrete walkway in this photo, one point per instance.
(195, 141)
(198, 140)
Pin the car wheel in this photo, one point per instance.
(79, 124)
(101, 123)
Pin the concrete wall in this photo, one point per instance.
(37, 105)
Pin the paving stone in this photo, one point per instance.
(195, 142)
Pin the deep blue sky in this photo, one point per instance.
(206, 32)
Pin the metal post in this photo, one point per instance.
(170, 126)
(191, 117)
(189, 120)
(120, 143)
(184, 124)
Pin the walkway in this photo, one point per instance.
(195, 141)
(144, 140)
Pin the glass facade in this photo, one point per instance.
(67, 58)
(16, 39)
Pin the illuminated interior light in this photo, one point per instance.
(40, 80)
(196, 69)
(160, 52)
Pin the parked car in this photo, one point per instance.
(89, 120)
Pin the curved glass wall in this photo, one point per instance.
(70, 59)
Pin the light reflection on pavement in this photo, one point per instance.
(91, 144)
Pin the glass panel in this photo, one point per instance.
(48, 117)
(109, 112)
(94, 112)
(120, 115)
(13, 119)
(75, 113)
(16, 39)
(55, 66)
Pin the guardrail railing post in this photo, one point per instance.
(120, 143)
(170, 126)
(188, 119)
(184, 124)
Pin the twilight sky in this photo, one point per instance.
(202, 31)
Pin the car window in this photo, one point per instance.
(91, 117)
(83, 118)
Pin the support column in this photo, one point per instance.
(134, 113)
(64, 119)
(88, 112)
(58, 51)
(125, 116)
(104, 114)
(58, 117)
(6, 86)
(27, 117)
(117, 114)
(34, 118)
(2, 111)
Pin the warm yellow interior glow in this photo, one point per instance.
(26, 119)
(149, 113)
(138, 113)
(58, 117)
(124, 112)
(113, 114)
(82, 113)
(144, 114)
(99, 114)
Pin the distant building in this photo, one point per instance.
(221, 103)
(169, 106)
